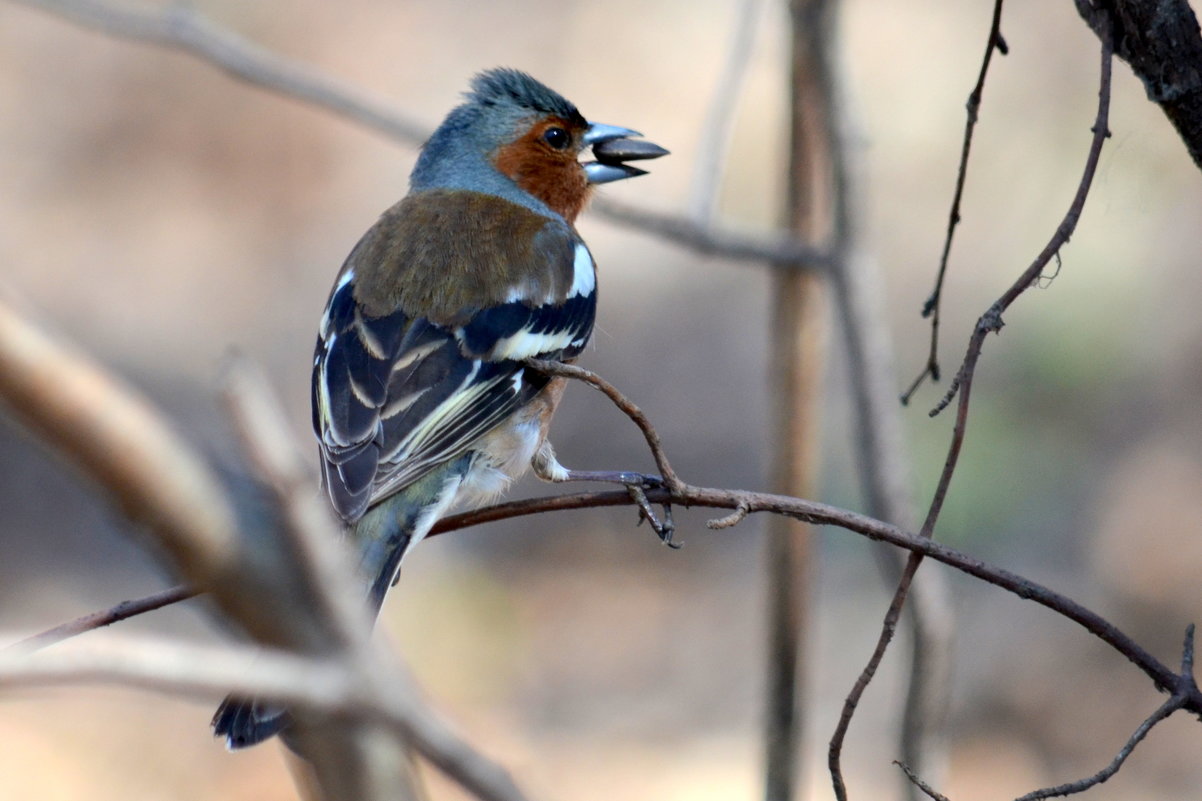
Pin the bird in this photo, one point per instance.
(422, 400)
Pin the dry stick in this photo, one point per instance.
(105, 617)
(991, 321)
(933, 304)
(1186, 682)
(1162, 676)
(180, 28)
(917, 782)
(671, 481)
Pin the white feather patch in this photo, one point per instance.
(525, 345)
(584, 273)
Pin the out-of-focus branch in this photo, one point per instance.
(797, 328)
(118, 440)
(719, 124)
(879, 448)
(1161, 41)
(297, 600)
(177, 26)
(311, 534)
(106, 617)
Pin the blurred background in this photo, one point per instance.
(162, 214)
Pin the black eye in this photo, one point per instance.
(557, 137)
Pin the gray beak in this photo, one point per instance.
(613, 146)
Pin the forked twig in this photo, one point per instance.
(933, 304)
(989, 322)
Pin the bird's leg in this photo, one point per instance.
(548, 468)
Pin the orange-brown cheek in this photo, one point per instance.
(556, 179)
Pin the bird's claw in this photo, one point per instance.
(644, 481)
(665, 528)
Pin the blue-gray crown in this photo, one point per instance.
(509, 86)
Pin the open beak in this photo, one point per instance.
(613, 147)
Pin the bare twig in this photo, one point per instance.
(105, 617)
(933, 304)
(1164, 677)
(1186, 684)
(915, 780)
(671, 481)
(1071, 788)
(729, 521)
(991, 321)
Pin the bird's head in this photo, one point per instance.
(516, 127)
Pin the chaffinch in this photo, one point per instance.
(421, 400)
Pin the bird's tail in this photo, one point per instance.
(383, 535)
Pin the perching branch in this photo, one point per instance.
(1181, 685)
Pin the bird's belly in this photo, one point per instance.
(502, 455)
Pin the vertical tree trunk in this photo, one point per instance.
(798, 322)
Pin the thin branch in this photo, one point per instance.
(915, 780)
(179, 27)
(1164, 677)
(776, 249)
(671, 481)
(1071, 788)
(991, 321)
(933, 304)
(105, 617)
